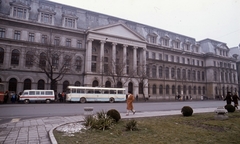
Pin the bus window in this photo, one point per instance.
(32, 93)
(89, 91)
(42, 92)
(112, 92)
(74, 91)
(120, 91)
(49, 93)
(37, 92)
(25, 93)
(97, 91)
(106, 91)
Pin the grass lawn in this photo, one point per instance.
(196, 129)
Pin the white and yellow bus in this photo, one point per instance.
(94, 94)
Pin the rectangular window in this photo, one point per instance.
(187, 47)
(178, 59)
(94, 67)
(152, 39)
(79, 44)
(198, 63)
(172, 58)
(17, 35)
(183, 60)
(46, 18)
(214, 63)
(153, 55)
(193, 62)
(68, 42)
(202, 63)
(160, 56)
(177, 45)
(165, 42)
(94, 58)
(19, 12)
(31, 37)
(44, 39)
(166, 57)
(188, 61)
(69, 22)
(2, 33)
(56, 41)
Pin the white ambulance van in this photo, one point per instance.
(37, 95)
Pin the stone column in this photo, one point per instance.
(134, 58)
(144, 59)
(125, 58)
(88, 56)
(102, 56)
(114, 57)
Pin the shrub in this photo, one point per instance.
(187, 111)
(131, 125)
(101, 121)
(229, 108)
(114, 114)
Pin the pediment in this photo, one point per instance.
(118, 30)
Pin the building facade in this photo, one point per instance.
(108, 51)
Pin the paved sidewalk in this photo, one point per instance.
(39, 130)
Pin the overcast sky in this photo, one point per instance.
(200, 19)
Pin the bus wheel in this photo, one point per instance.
(48, 101)
(82, 100)
(26, 101)
(111, 100)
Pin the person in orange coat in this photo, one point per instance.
(130, 100)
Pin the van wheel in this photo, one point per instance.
(48, 101)
(82, 100)
(26, 101)
(111, 100)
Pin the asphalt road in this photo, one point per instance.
(10, 111)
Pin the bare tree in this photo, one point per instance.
(142, 78)
(53, 61)
(117, 71)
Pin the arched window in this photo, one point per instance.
(15, 57)
(199, 90)
(194, 75)
(173, 89)
(178, 73)
(65, 85)
(42, 60)
(179, 89)
(167, 89)
(55, 60)
(203, 91)
(108, 84)
(29, 58)
(154, 71)
(95, 83)
(77, 83)
(140, 89)
(154, 89)
(160, 72)
(78, 63)
(1, 55)
(184, 73)
(12, 85)
(160, 89)
(184, 89)
(167, 72)
(189, 74)
(130, 87)
(203, 76)
(67, 61)
(198, 75)
(119, 84)
(194, 90)
(189, 90)
(41, 85)
(27, 84)
(173, 73)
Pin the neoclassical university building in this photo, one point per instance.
(171, 63)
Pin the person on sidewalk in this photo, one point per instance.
(130, 100)
(228, 98)
(235, 99)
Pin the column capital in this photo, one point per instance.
(90, 40)
(114, 44)
(135, 47)
(125, 45)
(102, 41)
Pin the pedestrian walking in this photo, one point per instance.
(235, 99)
(130, 100)
(228, 98)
